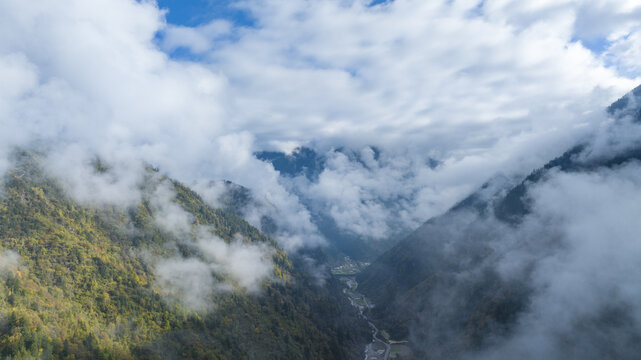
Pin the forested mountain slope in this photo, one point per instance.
(445, 286)
(82, 282)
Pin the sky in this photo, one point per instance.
(195, 88)
(426, 100)
(199, 12)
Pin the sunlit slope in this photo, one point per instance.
(77, 282)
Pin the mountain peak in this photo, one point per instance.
(628, 105)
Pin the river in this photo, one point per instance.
(378, 349)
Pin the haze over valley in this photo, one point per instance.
(320, 179)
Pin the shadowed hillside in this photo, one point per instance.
(445, 286)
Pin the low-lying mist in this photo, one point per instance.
(558, 282)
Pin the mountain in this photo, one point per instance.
(303, 167)
(79, 281)
(302, 161)
(306, 162)
(444, 286)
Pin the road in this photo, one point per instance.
(370, 352)
(370, 347)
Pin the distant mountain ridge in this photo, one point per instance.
(306, 162)
(302, 161)
(309, 164)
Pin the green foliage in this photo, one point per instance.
(82, 290)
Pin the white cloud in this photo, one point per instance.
(584, 303)
(625, 53)
(503, 87)
(9, 262)
(189, 281)
(503, 90)
(216, 266)
(248, 264)
(407, 72)
(116, 184)
(168, 215)
(198, 40)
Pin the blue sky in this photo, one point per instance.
(596, 45)
(198, 12)
(195, 13)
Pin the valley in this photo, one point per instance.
(381, 347)
(82, 267)
(320, 180)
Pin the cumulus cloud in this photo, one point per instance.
(462, 82)
(407, 72)
(479, 86)
(625, 53)
(198, 40)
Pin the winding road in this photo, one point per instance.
(370, 352)
(376, 339)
